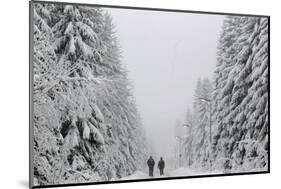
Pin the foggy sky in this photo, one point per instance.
(165, 53)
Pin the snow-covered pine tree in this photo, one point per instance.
(222, 87)
(83, 105)
(240, 94)
(46, 117)
(200, 126)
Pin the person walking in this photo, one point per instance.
(150, 163)
(161, 166)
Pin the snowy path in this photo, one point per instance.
(142, 175)
(175, 173)
(191, 172)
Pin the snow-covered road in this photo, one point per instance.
(175, 173)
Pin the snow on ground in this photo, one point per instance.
(136, 175)
(183, 171)
(142, 175)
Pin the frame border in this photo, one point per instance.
(31, 176)
(150, 9)
(31, 113)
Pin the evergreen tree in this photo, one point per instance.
(86, 124)
(240, 94)
(197, 143)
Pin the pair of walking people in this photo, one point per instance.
(151, 163)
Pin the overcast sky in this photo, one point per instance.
(165, 53)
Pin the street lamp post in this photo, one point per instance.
(208, 102)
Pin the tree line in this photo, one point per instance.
(86, 123)
(234, 104)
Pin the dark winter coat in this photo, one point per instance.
(161, 164)
(150, 162)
